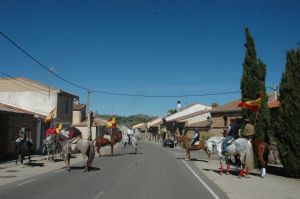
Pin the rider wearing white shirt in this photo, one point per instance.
(129, 133)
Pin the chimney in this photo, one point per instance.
(214, 105)
(178, 106)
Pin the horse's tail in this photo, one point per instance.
(249, 160)
(91, 152)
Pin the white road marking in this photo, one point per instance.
(202, 182)
(98, 195)
(25, 182)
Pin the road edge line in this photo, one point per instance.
(202, 182)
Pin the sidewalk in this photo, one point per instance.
(10, 172)
(253, 186)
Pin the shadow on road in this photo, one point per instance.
(82, 168)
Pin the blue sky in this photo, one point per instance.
(146, 47)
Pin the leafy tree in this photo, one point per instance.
(252, 85)
(287, 131)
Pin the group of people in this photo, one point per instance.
(232, 132)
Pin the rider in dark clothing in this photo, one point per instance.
(232, 133)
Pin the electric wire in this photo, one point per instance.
(106, 92)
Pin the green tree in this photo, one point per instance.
(252, 85)
(287, 131)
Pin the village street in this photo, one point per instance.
(155, 172)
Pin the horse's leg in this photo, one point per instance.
(68, 161)
(98, 150)
(124, 147)
(227, 165)
(221, 164)
(22, 159)
(135, 148)
(261, 154)
(242, 158)
(187, 155)
(111, 149)
(29, 156)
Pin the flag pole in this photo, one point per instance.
(256, 118)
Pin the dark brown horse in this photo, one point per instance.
(261, 150)
(101, 141)
(186, 144)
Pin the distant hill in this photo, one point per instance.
(131, 119)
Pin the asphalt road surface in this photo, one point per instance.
(154, 173)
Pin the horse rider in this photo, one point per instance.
(196, 138)
(129, 133)
(50, 131)
(249, 131)
(232, 133)
(24, 133)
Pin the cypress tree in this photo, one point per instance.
(287, 132)
(252, 85)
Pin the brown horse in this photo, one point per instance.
(261, 150)
(101, 141)
(186, 144)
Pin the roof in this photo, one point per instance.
(229, 107)
(21, 84)
(199, 124)
(155, 122)
(140, 126)
(78, 107)
(13, 109)
(192, 108)
(274, 104)
(193, 114)
(97, 122)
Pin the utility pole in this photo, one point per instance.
(89, 116)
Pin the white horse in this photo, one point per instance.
(86, 147)
(134, 140)
(241, 147)
(50, 145)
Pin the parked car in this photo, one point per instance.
(168, 143)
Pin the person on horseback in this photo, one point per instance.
(195, 138)
(129, 133)
(50, 131)
(24, 133)
(232, 133)
(249, 131)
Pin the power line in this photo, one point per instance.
(165, 96)
(106, 92)
(39, 63)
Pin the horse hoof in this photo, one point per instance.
(227, 173)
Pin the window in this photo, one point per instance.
(66, 106)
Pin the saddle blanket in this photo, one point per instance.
(197, 143)
(108, 137)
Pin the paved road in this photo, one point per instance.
(155, 172)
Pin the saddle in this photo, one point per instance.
(108, 137)
(197, 143)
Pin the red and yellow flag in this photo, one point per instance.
(58, 127)
(251, 105)
(50, 116)
(112, 122)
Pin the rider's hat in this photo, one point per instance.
(196, 129)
